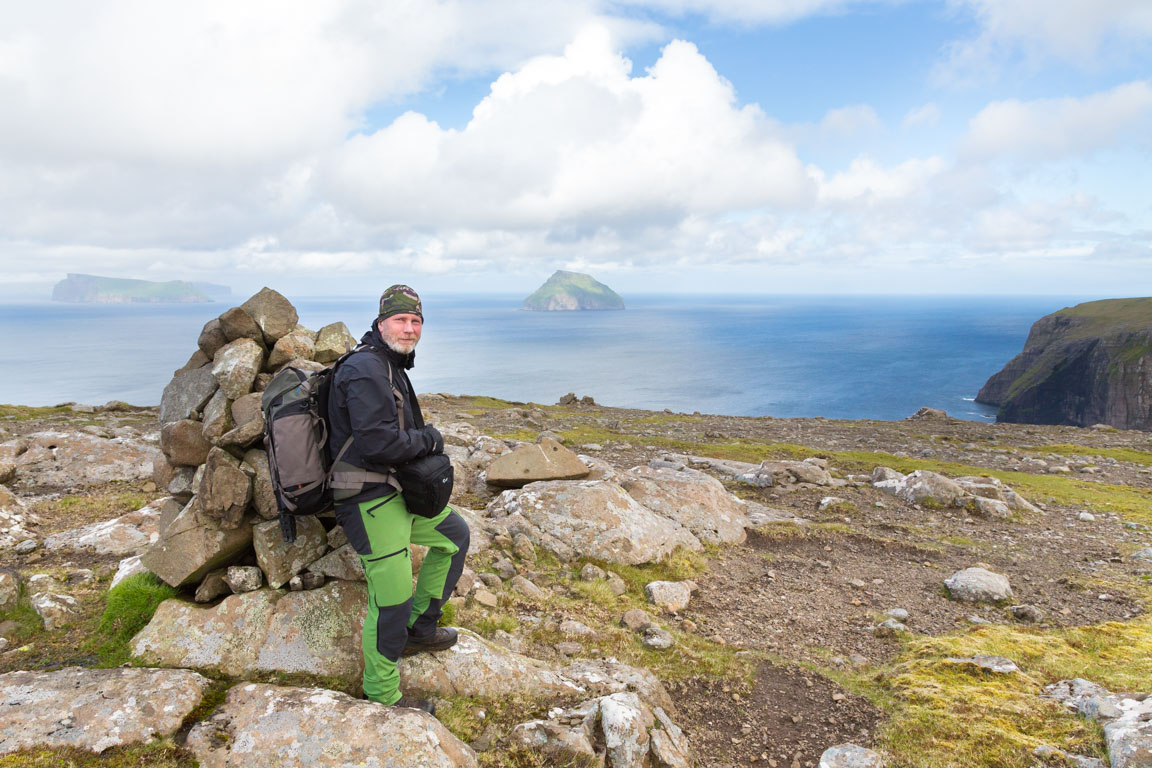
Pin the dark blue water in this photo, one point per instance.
(878, 357)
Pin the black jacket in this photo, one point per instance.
(361, 404)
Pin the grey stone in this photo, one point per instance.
(342, 563)
(129, 534)
(225, 489)
(266, 725)
(636, 620)
(850, 756)
(194, 544)
(26, 546)
(217, 417)
(566, 738)
(592, 572)
(1144, 554)
(332, 341)
(317, 632)
(211, 338)
(923, 486)
(94, 709)
(889, 628)
(184, 444)
(303, 581)
(655, 637)
(238, 324)
(978, 585)
(214, 585)
(263, 492)
(280, 560)
(180, 486)
(1027, 613)
(273, 313)
(695, 500)
(9, 590)
(671, 596)
(292, 346)
(55, 610)
(531, 462)
(997, 664)
(576, 629)
(243, 578)
(525, 587)
(129, 566)
(186, 394)
(236, 365)
(197, 360)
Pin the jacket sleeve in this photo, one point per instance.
(375, 428)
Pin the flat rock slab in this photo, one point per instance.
(591, 518)
(125, 536)
(262, 726)
(546, 460)
(697, 501)
(77, 459)
(94, 709)
(315, 631)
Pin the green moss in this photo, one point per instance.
(129, 606)
(27, 413)
(1130, 455)
(160, 753)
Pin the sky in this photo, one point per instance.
(691, 146)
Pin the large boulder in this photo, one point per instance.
(184, 444)
(194, 544)
(261, 726)
(923, 487)
(77, 459)
(236, 365)
(317, 631)
(225, 489)
(695, 500)
(978, 585)
(546, 460)
(94, 709)
(186, 394)
(995, 489)
(776, 473)
(281, 560)
(211, 337)
(273, 313)
(594, 518)
(127, 535)
(332, 341)
(296, 344)
(226, 638)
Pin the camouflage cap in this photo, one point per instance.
(400, 300)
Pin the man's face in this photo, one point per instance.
(401, 332)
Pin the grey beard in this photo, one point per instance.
(398, 350)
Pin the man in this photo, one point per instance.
(372, 401)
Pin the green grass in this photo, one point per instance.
(1130, 455)
(128, 608)
(160, 753)
(27, 413)
(946, 716)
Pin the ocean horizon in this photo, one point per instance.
(842, 357)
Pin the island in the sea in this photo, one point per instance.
(93, 289)
(1084, 365)
(571, 291)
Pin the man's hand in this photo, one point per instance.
(437, 439)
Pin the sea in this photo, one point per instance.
(840, 357)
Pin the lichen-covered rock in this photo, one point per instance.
(475, 667)
(227, 637)
(211, 337)
(626, 722)
(923, 486)
(186, 394)
(225, 488)
(54, 609)
(978, 585)
(594, 519)
(332, 341)
(129, 534)
(242, 578)
(9, 590)
(317, 631)
(695, 500)
(566, 737)
(995, 489)
(546, 460)
(236, 365)
(76, 459)
(213, 585)
(94, 709)
(129, 566)
(341, 563)
(217, 417)
(273, 313)
(263, 493)
(184, 444)
(281, 560)
(268, 726)
(238, 324)
(784, 473)
(290, 347)
(193, 544)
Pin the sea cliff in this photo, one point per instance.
(93, 289)
(1084, 365)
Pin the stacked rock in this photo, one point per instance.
(211, 436)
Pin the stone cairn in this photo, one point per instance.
(223, 508)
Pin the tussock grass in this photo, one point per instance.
(27, 412)
(128, 608)
(103, 503)
(946, 716)
(160, 753)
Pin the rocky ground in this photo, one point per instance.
(798, 602)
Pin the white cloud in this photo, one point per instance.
(760, 11)
(1054, 128)
(926, 114)
(1079, 31)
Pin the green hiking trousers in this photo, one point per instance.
(380, 531)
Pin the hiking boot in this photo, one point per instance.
(443, 637)
(411, 702)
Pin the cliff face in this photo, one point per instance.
(570, 291)
(1084, 365)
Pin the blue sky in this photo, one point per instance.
(778, 146)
